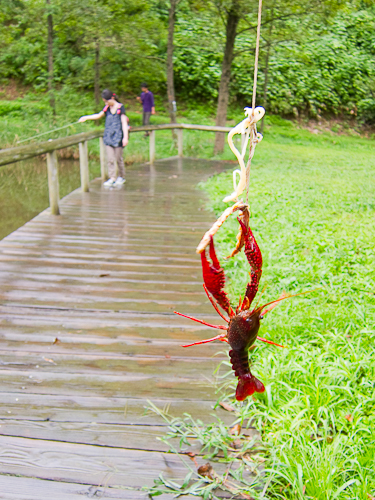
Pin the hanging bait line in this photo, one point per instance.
(48, 132)
(248, 130)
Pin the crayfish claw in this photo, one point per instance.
(214, 278)
(244, 218)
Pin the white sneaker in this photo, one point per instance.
(120, 181)
(109, 183)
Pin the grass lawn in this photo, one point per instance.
(312, 199)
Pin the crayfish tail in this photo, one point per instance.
(247, 385)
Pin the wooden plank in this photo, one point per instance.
(180, 144)
(89, 298)
(53, 183)
(42, 345)
(111, 364)
(109, 384)
(28, 488)
(138, 437)
(104, 410)
(98, 465)
(103, 160)
(82, 319)
(84, 166)
(152, 147)
(25, 488)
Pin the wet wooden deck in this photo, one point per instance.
(88, 335)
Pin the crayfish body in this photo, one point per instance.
(243, 323)
(242, 333)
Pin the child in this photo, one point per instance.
(115, 135)
(147, 100)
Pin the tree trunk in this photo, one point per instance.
(269, 44)
(170, 79)
(97, 73)
(50, 59)
(222, 104)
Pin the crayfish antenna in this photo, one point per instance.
(219, 327)
(284, 296)
(260, 295)
(270, 342)
(218, 337)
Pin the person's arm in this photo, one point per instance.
(96, 116)
(124, 123)
(152, 104)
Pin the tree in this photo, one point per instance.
(50, 56)
(170, 75)
(241, 19)
(231, 23)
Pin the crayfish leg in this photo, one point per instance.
(218, 337)
(219, 327)
(270, 342)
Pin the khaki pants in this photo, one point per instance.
(113, 155)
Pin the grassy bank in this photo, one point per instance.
(312, 200)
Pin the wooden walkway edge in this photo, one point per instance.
(88, 335)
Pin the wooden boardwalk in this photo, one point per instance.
(88, 335)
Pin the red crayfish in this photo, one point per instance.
(244, 323)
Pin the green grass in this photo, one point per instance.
(312, 200)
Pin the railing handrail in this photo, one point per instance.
(12, 155)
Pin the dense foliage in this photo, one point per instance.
(322, 63)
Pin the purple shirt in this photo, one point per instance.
(147, 99)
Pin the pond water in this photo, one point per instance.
(24, 189)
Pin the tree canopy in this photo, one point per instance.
(316, 63)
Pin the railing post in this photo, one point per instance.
(180, 142)
(84, 166)
(103, 160)
(53, 183)
(152, 147)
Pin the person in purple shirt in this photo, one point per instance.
(147, 100)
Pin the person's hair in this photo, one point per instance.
(144, 85)
(107, 94)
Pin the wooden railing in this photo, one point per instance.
(50, 147)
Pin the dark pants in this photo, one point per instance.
(146, 119)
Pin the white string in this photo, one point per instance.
(253, 130)
(48, 132)
(257, 54)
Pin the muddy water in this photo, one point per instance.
(24, 189)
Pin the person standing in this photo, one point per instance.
(115, 135)
(147, 100)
